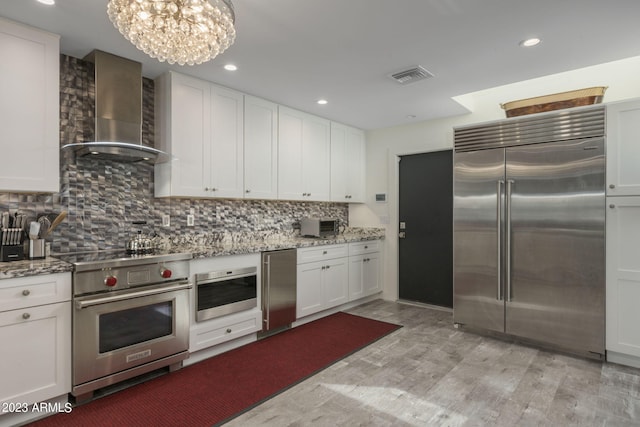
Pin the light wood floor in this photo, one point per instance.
(428, 373)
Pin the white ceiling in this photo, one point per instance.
(296, 51)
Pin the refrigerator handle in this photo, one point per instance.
(499, 185)
(510, 183)
(266, 303)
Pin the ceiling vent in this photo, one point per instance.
(411, 75)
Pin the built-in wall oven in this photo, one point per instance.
(223, 292)
(130, 317)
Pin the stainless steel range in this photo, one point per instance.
(130, 317)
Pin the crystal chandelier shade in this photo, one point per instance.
(177, 31)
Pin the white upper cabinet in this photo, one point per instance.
(29, 107)
(227, 147)
(201, 126)
(623, 148)
(303, 156)
(347, 164)
(260, 148)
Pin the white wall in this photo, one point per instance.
(385, 145)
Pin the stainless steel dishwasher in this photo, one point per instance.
(278, 291)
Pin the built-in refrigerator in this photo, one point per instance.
(529, 228)
(279, 291)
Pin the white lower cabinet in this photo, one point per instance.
(223, 329)
(35, 337)
(364, 269)
(623, 280)
(322, 284)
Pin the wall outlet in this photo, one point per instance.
(166, 220)
(191, 220)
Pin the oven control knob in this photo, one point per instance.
(165, 273)
(111, 280)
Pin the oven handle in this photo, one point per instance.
(144, 293)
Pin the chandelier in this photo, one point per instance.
(177, 31)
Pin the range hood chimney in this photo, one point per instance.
(118, 115)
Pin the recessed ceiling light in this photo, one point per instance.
(322, 101)
(230, 67)
(530, 42)
(47, 2)
(411, 116)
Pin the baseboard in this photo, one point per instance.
(623, 359)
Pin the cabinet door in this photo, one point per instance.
(310, 297)
(335, 282)
(316, 161)
(623, 148)
(355, 175)
(260, 148)
(36, 353)
(29, 107)
(371, 274)
(290, 135)
(347, 164)
(190, 117)
(623, 275)
(356, 288)
(226, 152)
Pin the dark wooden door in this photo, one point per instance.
(426, 220)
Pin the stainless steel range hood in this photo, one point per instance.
(118, 115)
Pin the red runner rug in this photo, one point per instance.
(222, 387)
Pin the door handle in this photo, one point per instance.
(500, 183)
(510, 183)
(402, 234)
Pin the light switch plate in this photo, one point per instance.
(166, 220)
(191, 221)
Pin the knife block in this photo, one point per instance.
(11, 253)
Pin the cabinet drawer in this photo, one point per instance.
(359, 248)
(34, 290)
(207, 334)
(319, 253)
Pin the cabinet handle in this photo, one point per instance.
(228, 330)
(26, 316)
(247, 191)
(324, 252)
(328, 267)
(612, 206)
(26, 292)
(206, 188)
(612, 186)
(214, 189)
(323, 267)
(366, 247)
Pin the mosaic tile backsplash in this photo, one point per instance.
(104, 198)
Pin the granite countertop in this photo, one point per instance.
(25, 268)
(231, 244)
(276, 243)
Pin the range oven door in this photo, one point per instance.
(129, 328)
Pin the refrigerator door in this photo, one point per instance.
(477, 222)
(278, 289)
(556, 207)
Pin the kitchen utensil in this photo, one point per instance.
(56, 222)
(45, 225)
(34, 230)
(5, 220)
